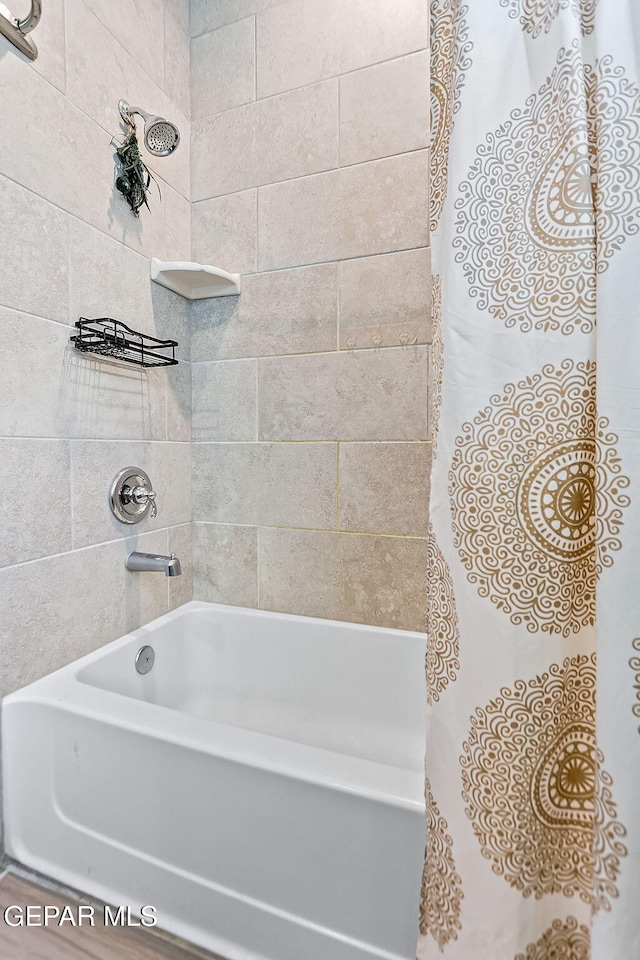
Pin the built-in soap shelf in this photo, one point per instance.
(195, 281)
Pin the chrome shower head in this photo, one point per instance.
(161, 137)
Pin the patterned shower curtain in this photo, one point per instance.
(533, 656)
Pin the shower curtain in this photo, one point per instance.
(533, 650)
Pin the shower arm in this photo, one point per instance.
(32, 19)
(127, 112)
(16, 30)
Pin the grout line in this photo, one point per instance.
(65, 43)
(338, 485)
(95, 546)
(229, 23)
(347, 73)
(319, 353)
(319, 263)
(255, 56)
(253, 443)
(72, 439)
(327, 530)
(71, 494)
(359, 163)
(164, 54)
(339, 124)
(257, 258)
(338, 272)
(168, 579)
(257, 437)
(315, 173)
(258, 565)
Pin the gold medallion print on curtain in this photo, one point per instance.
(441, 886)
(538, 15)
(634, 663)
(534, 529)
(564, 940)
(436, 359)
(533, 229)
(450, 60)
(531, 764)
(535, 484)
(443, 635)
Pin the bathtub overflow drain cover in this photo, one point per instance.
(144, 659)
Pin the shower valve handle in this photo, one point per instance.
(142, 495)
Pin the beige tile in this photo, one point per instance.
(211, 14)
(277, 484)
(291, 135)
(384, 109)
(169, 320)
(288, 311)
(177, 57)
(302, 41)
(385, 300)
(178, 393)
(122, 288)
(179, 10)
(370, 208)
(224, 232)
(146, 233)
(375, 580)
(75, 604)
(360, 395)
(107, 278)
(35, 251)
(94, 464)
(180, 542)
(36, 510)
(87, 188)
(139, 27)
(105, 399)
(178, 225)
(223, 69)
(225, 564)
(50, 41)
(384, 488)
(39, 362)
(224, 400)
(146, 595)
(87, 185)
(74, 395)
(100, 71)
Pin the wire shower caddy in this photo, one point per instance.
(112, 338)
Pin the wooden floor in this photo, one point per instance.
(80, 942)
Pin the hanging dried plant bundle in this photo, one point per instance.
(134, 177)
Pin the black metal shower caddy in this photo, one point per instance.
(112, 338)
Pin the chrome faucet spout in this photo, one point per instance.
(155, 563)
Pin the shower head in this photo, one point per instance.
(161, 137)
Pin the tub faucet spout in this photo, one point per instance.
(154, 562)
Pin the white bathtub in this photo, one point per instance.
(262, 786)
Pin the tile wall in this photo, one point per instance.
(310, 391)
(71, 247)
(306, 126)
